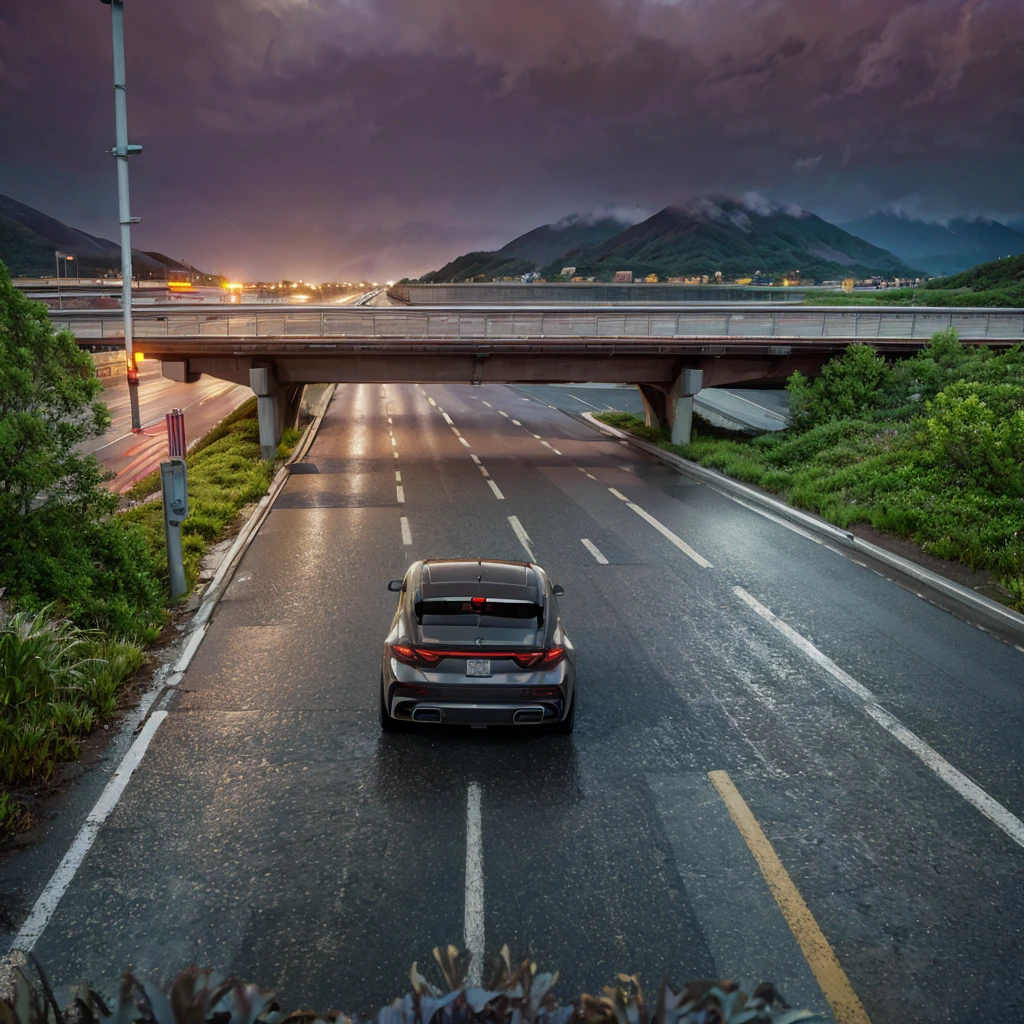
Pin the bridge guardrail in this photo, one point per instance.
(519, 323)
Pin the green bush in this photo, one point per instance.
(930, 449)
(57, 682)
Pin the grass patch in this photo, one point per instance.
(57, 682)
(894, 475)
(225, 473)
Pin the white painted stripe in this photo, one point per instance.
(555, 450)
(390, 420)
(464, 441)
(537, 436)
(455, 431)
(524, 537)
(431, 401)
(474, 916)
(545, 443)
(406, 532)
(666, 532)
(931, 758)
(501, 412)
(393, 442)
(618, 494)
(483, 470)
(61, 879)
(601, 560)
(488, 404)
(517, 423)
(396, 455)
(591, 475)
(398, 476)
(494, 487)
(475, 458)
(400, 493)
(447, 419)
(189, 651)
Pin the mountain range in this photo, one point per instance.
(939, 248)
(29, 240)
(739, 238)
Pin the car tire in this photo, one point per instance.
(566, 726)
(387, 723)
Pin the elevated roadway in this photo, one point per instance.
(651, 346)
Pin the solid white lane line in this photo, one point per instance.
(398, 476)
(524, 537)
(618, 494)
(931, 758)
(447, 419)
(601, 560)
(494, 487)
(400, 493)
(517, 423)
(475, 458)
(45, 906)
(501, 412)
(474, 916)
(189, 651)
(406, 532)
(464, 441)
(666, 532)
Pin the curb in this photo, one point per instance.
(984, 612)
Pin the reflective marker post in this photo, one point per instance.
(174, 482)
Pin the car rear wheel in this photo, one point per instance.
(387, 723)
(566, 726)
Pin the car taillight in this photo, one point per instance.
(540, 659)
(404, 653)
(427, 657)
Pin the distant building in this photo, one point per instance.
(529, 277)
(651, 279)
(568, 271)
(623, 277)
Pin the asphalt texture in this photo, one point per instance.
(274, 832)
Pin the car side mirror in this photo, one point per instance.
(395, 586)
(558, 590)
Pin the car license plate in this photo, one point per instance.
(478, 667)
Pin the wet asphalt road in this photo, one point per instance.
(273, 831)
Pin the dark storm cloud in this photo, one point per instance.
(287, 135)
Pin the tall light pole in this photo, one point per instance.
(122, 151)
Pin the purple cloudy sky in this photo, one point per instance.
(336, 138)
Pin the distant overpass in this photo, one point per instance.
(651, 346)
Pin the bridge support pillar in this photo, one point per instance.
(680, 404)
(276, 407)
(654, 404)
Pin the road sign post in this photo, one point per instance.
(174, 482)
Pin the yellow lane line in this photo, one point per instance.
(826, 968)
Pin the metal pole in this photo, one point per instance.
(121, 152)
(56, 259)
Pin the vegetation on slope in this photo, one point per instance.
(930, 449)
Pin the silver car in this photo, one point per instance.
(477, 642)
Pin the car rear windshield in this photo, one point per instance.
(459, 612)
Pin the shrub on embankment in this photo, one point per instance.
(511, 994)
(83, 587)
(930, 449)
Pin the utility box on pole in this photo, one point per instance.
(174, 482)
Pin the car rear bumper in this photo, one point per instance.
(464, 713)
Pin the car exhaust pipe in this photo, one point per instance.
(426, 715)
(528, 716)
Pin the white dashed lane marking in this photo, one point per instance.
(494, 487)
(406, 532)
(598, 557)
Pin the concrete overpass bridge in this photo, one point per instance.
(277, 349)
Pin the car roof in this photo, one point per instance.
(462, 577)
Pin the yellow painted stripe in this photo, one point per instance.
(826, 968)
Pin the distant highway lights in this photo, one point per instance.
(122, 150)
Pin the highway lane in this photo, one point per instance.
(273, 831)
(132, 456)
